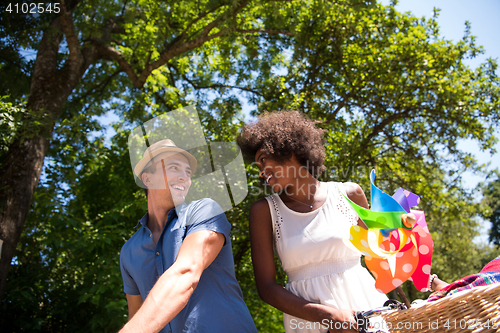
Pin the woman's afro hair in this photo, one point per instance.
(283, 134)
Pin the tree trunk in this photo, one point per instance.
(50, 88)
(20, 171)
(20, 174)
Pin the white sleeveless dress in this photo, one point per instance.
(319, 266)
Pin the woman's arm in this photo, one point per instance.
(261, 237)
(356, 194)
(134, 303)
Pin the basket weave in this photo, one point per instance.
(473, 310)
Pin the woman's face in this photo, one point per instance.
(279, 175)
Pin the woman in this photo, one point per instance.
(304, 222)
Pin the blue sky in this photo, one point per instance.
(484, 17)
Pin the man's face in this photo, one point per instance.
(178, 173)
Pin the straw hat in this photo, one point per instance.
(162, 147)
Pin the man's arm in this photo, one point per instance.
(172, 290)
(134, 303)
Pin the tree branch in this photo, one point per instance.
(309, 81)
(337, 110)
(183, 35)
(118, 57)
(124, 6)
(175, 49)
(94, 49)
(101, 84)
(101, 91)
(342, 103)
(165, 57)
(380, 126)
(265, 31)
(75, 56)
(215, 85)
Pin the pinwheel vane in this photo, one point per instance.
(394, 252)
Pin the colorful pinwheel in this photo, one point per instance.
(393, 252)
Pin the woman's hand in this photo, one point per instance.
(409, 220)
(438, 284)
(338, 320)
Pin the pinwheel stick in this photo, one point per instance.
(402, 294)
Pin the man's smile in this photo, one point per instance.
(179, 187)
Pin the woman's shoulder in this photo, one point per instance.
(260, 212)
(260, 206)
(355, 193)
(345, 186)
(350, 188)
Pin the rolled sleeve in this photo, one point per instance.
(208, 215)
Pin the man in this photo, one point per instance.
(178, 269)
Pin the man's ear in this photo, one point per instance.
(145, 178)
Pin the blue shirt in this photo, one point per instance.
(216, 304)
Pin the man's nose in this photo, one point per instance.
(183, 175)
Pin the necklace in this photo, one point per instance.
(310, 206)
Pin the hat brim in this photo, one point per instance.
(149, 156)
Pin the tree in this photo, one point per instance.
(491, 193)
(114, 48)
(66, 277)
(391, 93)
(394, 96)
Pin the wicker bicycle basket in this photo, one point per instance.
(473, 310)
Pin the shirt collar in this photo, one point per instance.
(143, 220)
(170, 216)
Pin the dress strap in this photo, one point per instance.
(277, 220)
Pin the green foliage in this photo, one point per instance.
(390, 91)
(491, 192)
(19, 34)
(396, 97)
(17, 122)
(10, 121)
(66, 276)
